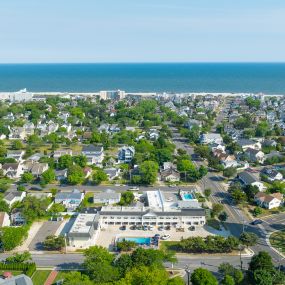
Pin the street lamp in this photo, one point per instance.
(241, 247)
(187, 269)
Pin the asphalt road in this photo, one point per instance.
(237, 222)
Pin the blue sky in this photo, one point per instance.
(142, 31)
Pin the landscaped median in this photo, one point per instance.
(207, 245)
(277, 241)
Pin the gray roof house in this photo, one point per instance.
(249, 178)
(21, 279)
(108, 197)
(94, 154)
(71, 200)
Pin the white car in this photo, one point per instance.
(134, 189)
(165, 237)
(151, 228)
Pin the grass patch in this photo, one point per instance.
(215, 224)
(59, 276)
(277, 240)
(168, 245)
(40, 276)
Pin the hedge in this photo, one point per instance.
(28, 268)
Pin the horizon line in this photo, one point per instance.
(147, 62)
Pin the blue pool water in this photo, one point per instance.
(138, 240)
(188, 196)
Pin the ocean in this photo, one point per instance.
(268, 78)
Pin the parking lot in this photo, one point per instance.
(109, 234)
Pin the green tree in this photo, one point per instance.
(124, 264)
(65, 161)
(148, 171)
(98, 264)
(19, 257)
(146, 276)
(126, 245)
(127, 198)
(217, 209)
(27, 177)
(12, 237)
(263, 277)
(56, 208)
(223, 216)
(16, 145)
(228, 269)
(75, 175)
(238, 195)
(99, 176)
(207, 192)
(53, 242)
(257, 211)
(185, 165)
(81, 160)
(4, 207)
(228, 280)
(262, 260)
(48, 176)
(229, 172)
(3, 151)
(248, 239)
(202, 276)
(75, 278)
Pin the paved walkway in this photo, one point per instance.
(51, 278)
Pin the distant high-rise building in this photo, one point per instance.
(112, 94)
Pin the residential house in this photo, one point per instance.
(126, 154)
(170, 175)
(12, 170)
(210, 138)
(71, 200)
(94, 154)
(61, 174)
(268, 201)
(108, 197)
(17, 217)
(250, 178)
(4, 220)
(254, 155)
(38, 168)
(14, 196)
(15, 154)
(21, 279)
(17, 133)
(60, 152)
(112, 173)
(246, 143)
(193, 123)
(272, 174)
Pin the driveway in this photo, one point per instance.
(48, 228)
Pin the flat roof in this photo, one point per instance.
(83, 225)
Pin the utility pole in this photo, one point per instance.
(188, 274)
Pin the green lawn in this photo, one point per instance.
(214, 224)
(40, 276)
(168, 245)
(277, 240)
(59, 276)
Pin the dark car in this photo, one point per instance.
(123, 228)
(256, 222)
(37, 188)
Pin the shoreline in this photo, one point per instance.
(143, 94)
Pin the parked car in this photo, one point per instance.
(192, 228)
(37, 188)
(167, 228)
(134, 189)
(165, 237)
(161, 228)
(256, 222)
(123, 228)
(151, 228)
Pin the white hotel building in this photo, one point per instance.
(162, 209)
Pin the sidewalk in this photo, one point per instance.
(51, 278)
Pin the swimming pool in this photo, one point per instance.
(188, 196)
(138, 240)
